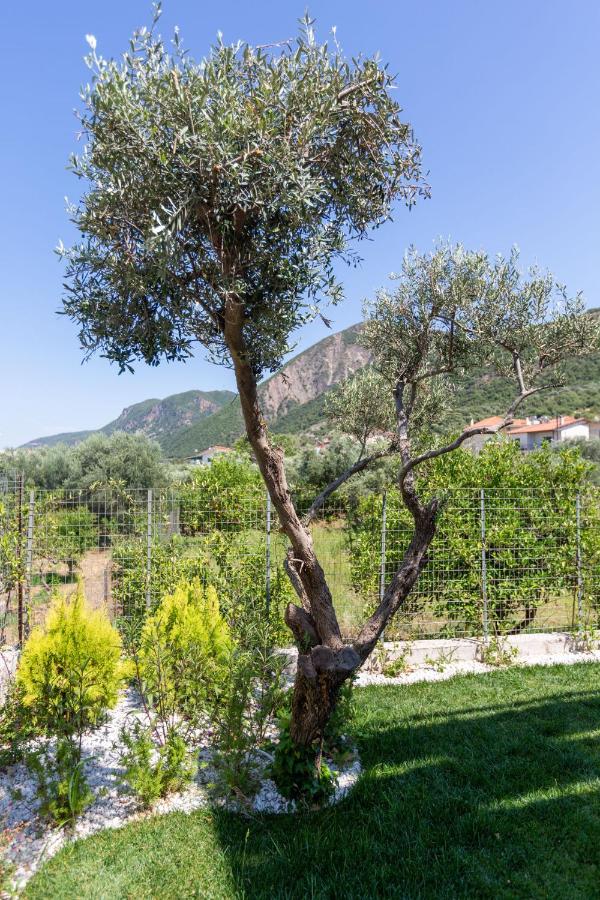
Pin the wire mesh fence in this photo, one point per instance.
(502, 562)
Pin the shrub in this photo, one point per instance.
(184, 651)
(253, 693)
(68, 534)
(227, 495)
(237, 569)
(16, 727)
(169, 565)
(70, 670)
(294, 771)
(530, 532)
(153, 773)
(62, 789)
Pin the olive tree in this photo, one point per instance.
(449, 313)
(218, 196)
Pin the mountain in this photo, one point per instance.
(156, 418)
(292, 399)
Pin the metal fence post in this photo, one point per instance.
(149, 552)
(268, 557)
(19, 501)
(29, 564)
(383, 551)
(578, 559)
(484, 584)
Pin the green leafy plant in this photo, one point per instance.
(441, 660)
(171, 561)
(530, 540)
(337, 743)
(67, 535)
(587, 638)
(391, 668)
(62, 788)
(70, 671)
(253, 693)
(224, 496)
(17, 729)
(183, 654)
(497, 652)
(153, 772)
(294, 770)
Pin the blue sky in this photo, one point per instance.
(503, 95)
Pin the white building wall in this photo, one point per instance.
(572, 432)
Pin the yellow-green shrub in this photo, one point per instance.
(184, 650)
(70, 670)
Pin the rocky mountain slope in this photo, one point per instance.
(292, 399)
(156, 418)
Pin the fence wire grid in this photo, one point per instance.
(502, 562)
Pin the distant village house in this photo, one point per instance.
(206, 456)
(532, 432)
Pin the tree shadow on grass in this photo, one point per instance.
(469, 791)
(499, 802)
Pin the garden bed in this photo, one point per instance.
(30, 840)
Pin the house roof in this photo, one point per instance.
(218, 448)
(521, 426)
(496, 422)
(554, 424)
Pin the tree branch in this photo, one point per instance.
(359, 466)
(468, 433)
(353, 88)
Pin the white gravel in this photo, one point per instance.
(428, 672)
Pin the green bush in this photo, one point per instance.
(227, 495)
(171, 561)
(16, 727)
(236, 565)
(67, 535)
(299, 771)
(62, 789)
(253, 693)
(70, 670)
(184, 651)
(153, 773)
(530, 537)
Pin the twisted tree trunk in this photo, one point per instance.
(325, 662)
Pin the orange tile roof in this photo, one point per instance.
(554, 424)
(495, 422)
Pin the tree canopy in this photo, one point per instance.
(240, 178)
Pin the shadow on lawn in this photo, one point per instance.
(493, 801)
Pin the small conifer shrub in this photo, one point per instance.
(70, 670)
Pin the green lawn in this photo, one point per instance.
(482, 786)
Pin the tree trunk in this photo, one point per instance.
(313, 702)
(325, 662)
(321, 672)
(530, 614)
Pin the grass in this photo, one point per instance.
(482, 786)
